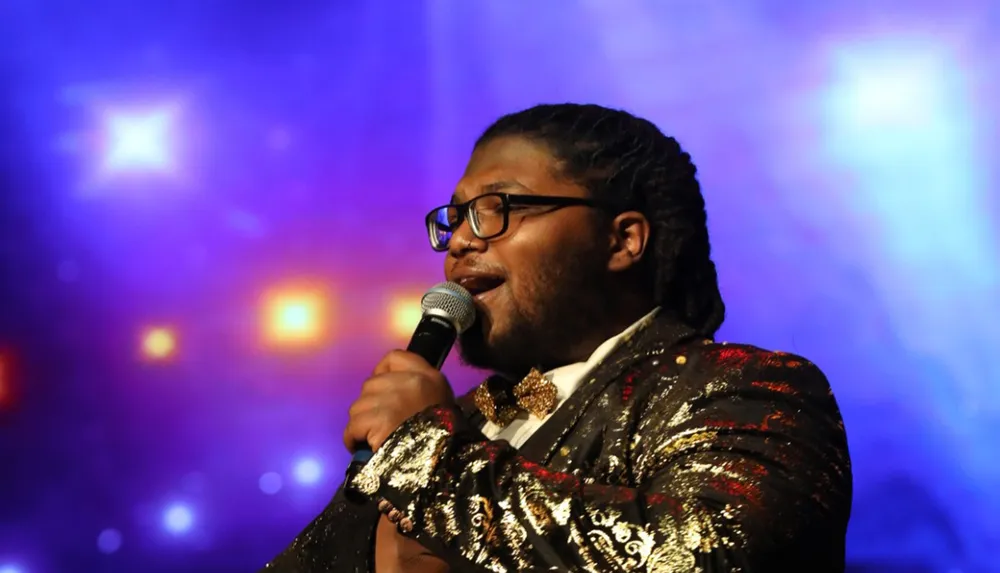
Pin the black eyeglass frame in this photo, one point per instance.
(506, 201)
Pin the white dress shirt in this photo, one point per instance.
(566, 379)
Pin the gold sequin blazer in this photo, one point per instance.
(676, 454)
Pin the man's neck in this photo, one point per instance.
(616, 323)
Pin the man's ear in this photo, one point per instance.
(629, 240)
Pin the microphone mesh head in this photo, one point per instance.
(451, 302)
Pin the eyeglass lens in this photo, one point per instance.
(486, 215)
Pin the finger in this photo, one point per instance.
(348, 438)
(375, 439)
(368, 429)
(406, 526)
(383, 365)
(403, 361)
(364, 404)
(357, 430)
(386, 383)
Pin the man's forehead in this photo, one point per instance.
(505, 164)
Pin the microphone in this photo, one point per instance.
(448, 311)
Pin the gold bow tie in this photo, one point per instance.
(501, 403)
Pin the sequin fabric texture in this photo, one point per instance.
(674, 455)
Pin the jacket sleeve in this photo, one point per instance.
(341, 539)
(739, 466)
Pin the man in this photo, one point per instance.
(614, 433)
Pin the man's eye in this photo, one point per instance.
(491, 210)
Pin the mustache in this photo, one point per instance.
(478, 268)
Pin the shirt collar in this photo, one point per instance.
(567, 378)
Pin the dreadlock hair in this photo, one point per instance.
(627, 162)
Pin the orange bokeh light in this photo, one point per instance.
(404, 315)
(158, 343)
(295, 317)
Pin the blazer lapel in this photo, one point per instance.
(651, 338)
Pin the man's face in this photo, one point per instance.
(539, 287)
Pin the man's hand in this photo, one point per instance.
(395, 553)
(403, 384)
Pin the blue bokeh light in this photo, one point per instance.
(308, 471)
(270, 483)
(109, 541)
(178, 518)
(138, 141)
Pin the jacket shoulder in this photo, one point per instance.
(752, 364)
(739, 355)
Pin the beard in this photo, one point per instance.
(557, 309)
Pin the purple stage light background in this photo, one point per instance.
(210, 230)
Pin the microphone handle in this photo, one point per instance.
(432, 340)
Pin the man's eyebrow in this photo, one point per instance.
(502, 185)
(494, 187)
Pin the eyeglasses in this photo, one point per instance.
(489, 215)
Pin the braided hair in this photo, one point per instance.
(628, 163)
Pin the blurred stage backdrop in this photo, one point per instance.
(211, 230)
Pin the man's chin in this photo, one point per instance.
(474, 352)
(476, 362)
(508, 350)
(510, 362)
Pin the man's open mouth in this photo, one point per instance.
(479, 284)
